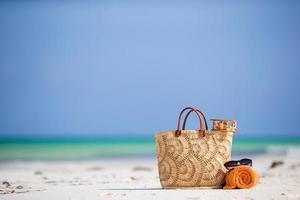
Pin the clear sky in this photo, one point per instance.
(128, 67)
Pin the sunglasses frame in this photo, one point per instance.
(235, 163)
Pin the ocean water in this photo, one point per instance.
(98, 148)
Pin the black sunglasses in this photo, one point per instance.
(234, 163)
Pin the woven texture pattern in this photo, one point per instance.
(192, 160)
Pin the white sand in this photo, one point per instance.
(133, 179)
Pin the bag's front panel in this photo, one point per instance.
(191, 160)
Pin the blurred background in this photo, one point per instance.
(93, 79)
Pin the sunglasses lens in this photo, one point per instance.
(246, 161)
(230, 164)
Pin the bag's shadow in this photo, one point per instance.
(131, 189)
(154, 189)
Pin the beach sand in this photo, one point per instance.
(134, 178)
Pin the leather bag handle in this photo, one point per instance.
(187, 115)
(178, 131)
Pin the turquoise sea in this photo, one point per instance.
(123, 146)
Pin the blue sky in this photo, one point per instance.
(128, 67)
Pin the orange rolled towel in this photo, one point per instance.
(242, 177)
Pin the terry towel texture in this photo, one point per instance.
(242, 177)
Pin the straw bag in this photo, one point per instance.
(194, 158)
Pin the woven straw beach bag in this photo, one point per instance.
(194, 158)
